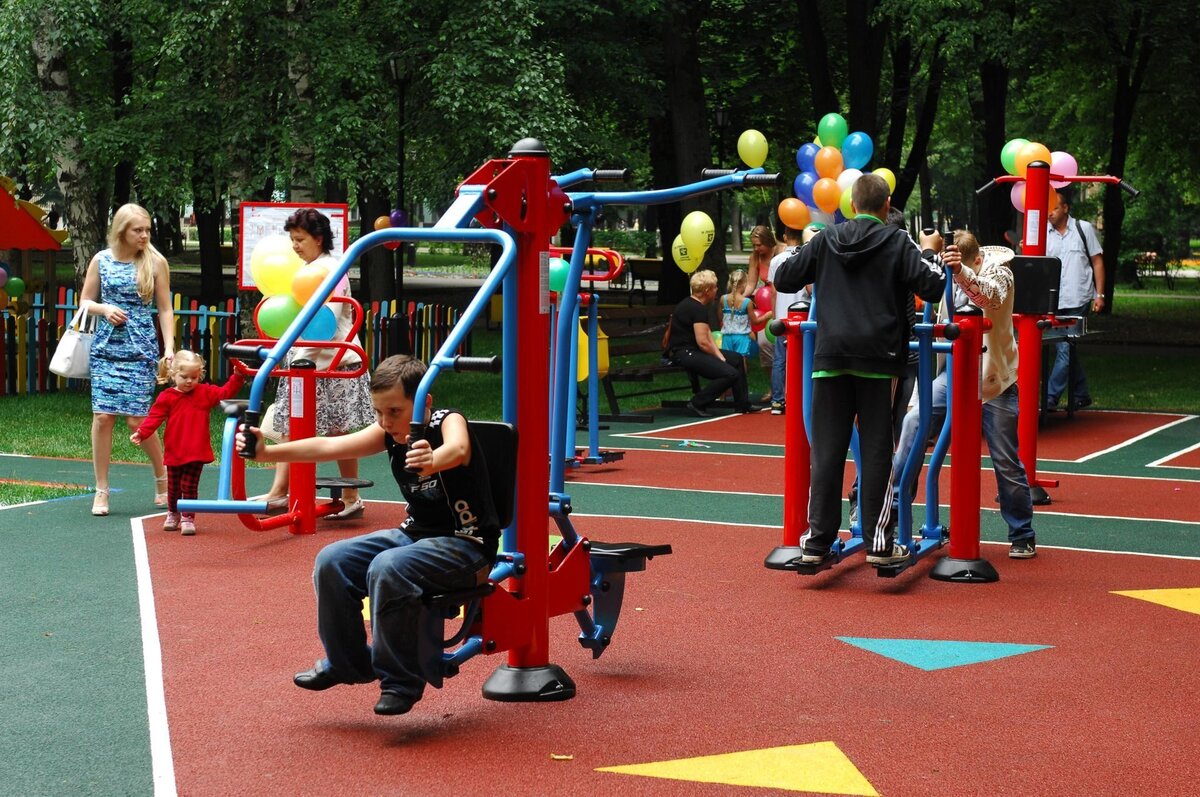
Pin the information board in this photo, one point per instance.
(260, 219)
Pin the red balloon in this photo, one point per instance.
(763, 299)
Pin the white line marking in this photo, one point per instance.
(1174, 455)
(162, 763)
(1133, 440)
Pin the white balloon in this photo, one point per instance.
(847, 178)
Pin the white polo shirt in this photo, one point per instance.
(1076, 285)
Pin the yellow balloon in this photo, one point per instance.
(273, 264)
(684, 258)
(752, 148)
(888, 176)
(697, 231)
(846, 205)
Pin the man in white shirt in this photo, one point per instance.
(1080, 291)
(782, 301)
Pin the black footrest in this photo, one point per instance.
(460, 596)
(342, 483)
(625, 551)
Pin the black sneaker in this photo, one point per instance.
(1023, 549)
(697, 411)
(1081, 403)
(777, 408)
(898, 555)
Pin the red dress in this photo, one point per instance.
(187, 438)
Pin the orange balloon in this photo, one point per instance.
(308, 278)
(794, 213)
(1033, 151)
(383, 222)
(827, 194)
(1053, 201)
(828, 162)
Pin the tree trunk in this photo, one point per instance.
(865, 64)
(901, 96)
(302, 183)
(995, 207)
(816, 59)
(680, 145)
(1131, 71)
(121, 49)
(84, 189)
(920, 146)
(376, 268)
(210, 210)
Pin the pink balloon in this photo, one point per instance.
(1017, 196)
(1062, 163)
(762, 299)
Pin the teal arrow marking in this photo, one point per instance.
(937, 654)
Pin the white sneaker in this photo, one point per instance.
(352, 510)
(898, 555)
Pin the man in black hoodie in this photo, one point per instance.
(861, 272)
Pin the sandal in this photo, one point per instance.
(100, 502)
(160, 490)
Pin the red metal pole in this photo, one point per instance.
(965, 449)
(533, 406)
(797, 465)
(1029, 333)
(302, 476)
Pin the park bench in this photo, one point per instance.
(633, 331)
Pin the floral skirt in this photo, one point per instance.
(343, 405)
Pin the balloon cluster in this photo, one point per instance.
(287, 283)
(10, 287)
(397, 218)
(829, 166)
(1020, 152)
(696, 234)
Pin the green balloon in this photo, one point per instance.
(276, 313)
(1008, 155)
(832, 130)
(15, 287)
(558, 274)
(769, 334)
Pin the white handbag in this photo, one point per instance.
(74, 347)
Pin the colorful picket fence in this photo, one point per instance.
(28, 340)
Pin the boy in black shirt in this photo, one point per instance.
(447, 542)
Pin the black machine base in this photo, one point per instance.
(784, 557)
(964, 571)
(529, 684)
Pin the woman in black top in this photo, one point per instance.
(689, 343)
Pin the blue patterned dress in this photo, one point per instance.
(124, 358)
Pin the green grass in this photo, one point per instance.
(14, 492)
(1127, 367)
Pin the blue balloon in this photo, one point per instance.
(838, 216)
(857, 150)
(803, 187)
(322, 327)
(804, 157)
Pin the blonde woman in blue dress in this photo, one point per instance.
(119, 287)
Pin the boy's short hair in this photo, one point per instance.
(968, 245)
(896, 217)
(702, 280)
(870, 193)
(399, 369)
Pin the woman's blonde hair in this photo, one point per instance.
(144, 262)
(169, 366)
(701, 281)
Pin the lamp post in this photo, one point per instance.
(721, 118)
(399, 75)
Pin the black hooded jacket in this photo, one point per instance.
(861, 272)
